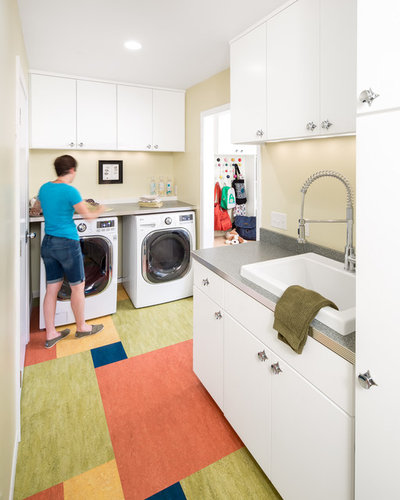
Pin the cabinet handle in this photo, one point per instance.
(276, 368)
(368, 96)
(366, 380)
(148, 146)
(326, 124)
(259, 133)
(80, 144)
(311, 126)
(71, 144)
(218, 315)
(206, 282)
(155, 146)
(262, 356)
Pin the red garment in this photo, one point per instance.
(222, 221)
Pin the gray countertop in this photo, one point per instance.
(226, 262)
(119, 209)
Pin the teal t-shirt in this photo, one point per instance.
(57, 201)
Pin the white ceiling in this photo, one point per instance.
(184, 41)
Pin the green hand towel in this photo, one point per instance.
(294, 312)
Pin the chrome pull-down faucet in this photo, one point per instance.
(349, 253)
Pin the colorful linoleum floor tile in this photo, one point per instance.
(123, 416)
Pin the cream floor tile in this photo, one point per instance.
(72, 345)
(100, 483)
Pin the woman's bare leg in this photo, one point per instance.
(78, 307)
(49, 308)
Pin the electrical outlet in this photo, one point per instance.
(279, 220)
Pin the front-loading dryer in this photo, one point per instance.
(99, 244)
(157, 257)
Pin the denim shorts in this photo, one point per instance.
(62, 257)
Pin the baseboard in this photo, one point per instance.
(14, 466)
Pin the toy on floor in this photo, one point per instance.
(232, 238)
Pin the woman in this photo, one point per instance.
(61, 250)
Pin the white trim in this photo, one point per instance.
(14, 466)
(263, 20)
(114, 82)
(206, 195)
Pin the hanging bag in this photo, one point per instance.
(238, 185)
(228, 200)
(246, 227)
(222, 221)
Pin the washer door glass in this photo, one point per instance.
(97, 256)
(165, 255)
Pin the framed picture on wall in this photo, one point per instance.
(110, 171)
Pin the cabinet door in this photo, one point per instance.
(378, 53)
(247, 390)
(311, 442)
(293, 71)
(248, 86)
(168, 120)
(96, 115)
(338, 62)
(207, 344)
(135, 118)
(53, 112)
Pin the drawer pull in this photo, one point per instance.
(206, 282)
(276, 368)
(262, 356)
(218, 315)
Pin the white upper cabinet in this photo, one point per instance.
(53, 112)
(293, 72)
(135, 120)
(96, 115)
(86, 114)
(338, 61)
(168, 120)
(302, 79)
(248, 86)
(378, 62)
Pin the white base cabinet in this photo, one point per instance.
(291, 419)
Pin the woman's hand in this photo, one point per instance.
(88, 213)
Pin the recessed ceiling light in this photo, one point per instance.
(132, 45)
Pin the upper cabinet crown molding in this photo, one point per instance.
(307, 57)
(70, 113)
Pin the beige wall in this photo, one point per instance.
(11, 45)
(138, 168)
(210, 93)
(285, 167)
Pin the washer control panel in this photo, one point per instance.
(168, 221)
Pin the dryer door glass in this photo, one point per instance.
(165, 255)
(97, 256)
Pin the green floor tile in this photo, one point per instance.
(149, 328)
(236, 476)
(64, 430)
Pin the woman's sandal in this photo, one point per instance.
(51, 343)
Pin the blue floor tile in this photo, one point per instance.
(174, 492)
(108, 354)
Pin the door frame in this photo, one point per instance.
(207, 180)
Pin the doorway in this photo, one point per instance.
(218, 160)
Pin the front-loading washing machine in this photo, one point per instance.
(99, 243)
(157, 257)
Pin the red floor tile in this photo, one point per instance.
(163, 424)
(35, 350)
(54, 493)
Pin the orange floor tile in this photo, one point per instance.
(163, 424)
(54, 493)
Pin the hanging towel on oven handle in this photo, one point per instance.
(238, 186)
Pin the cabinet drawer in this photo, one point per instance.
(326, 370)
(208, 282)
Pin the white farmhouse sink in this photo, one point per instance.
(325, 276)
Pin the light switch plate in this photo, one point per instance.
(279, 220)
